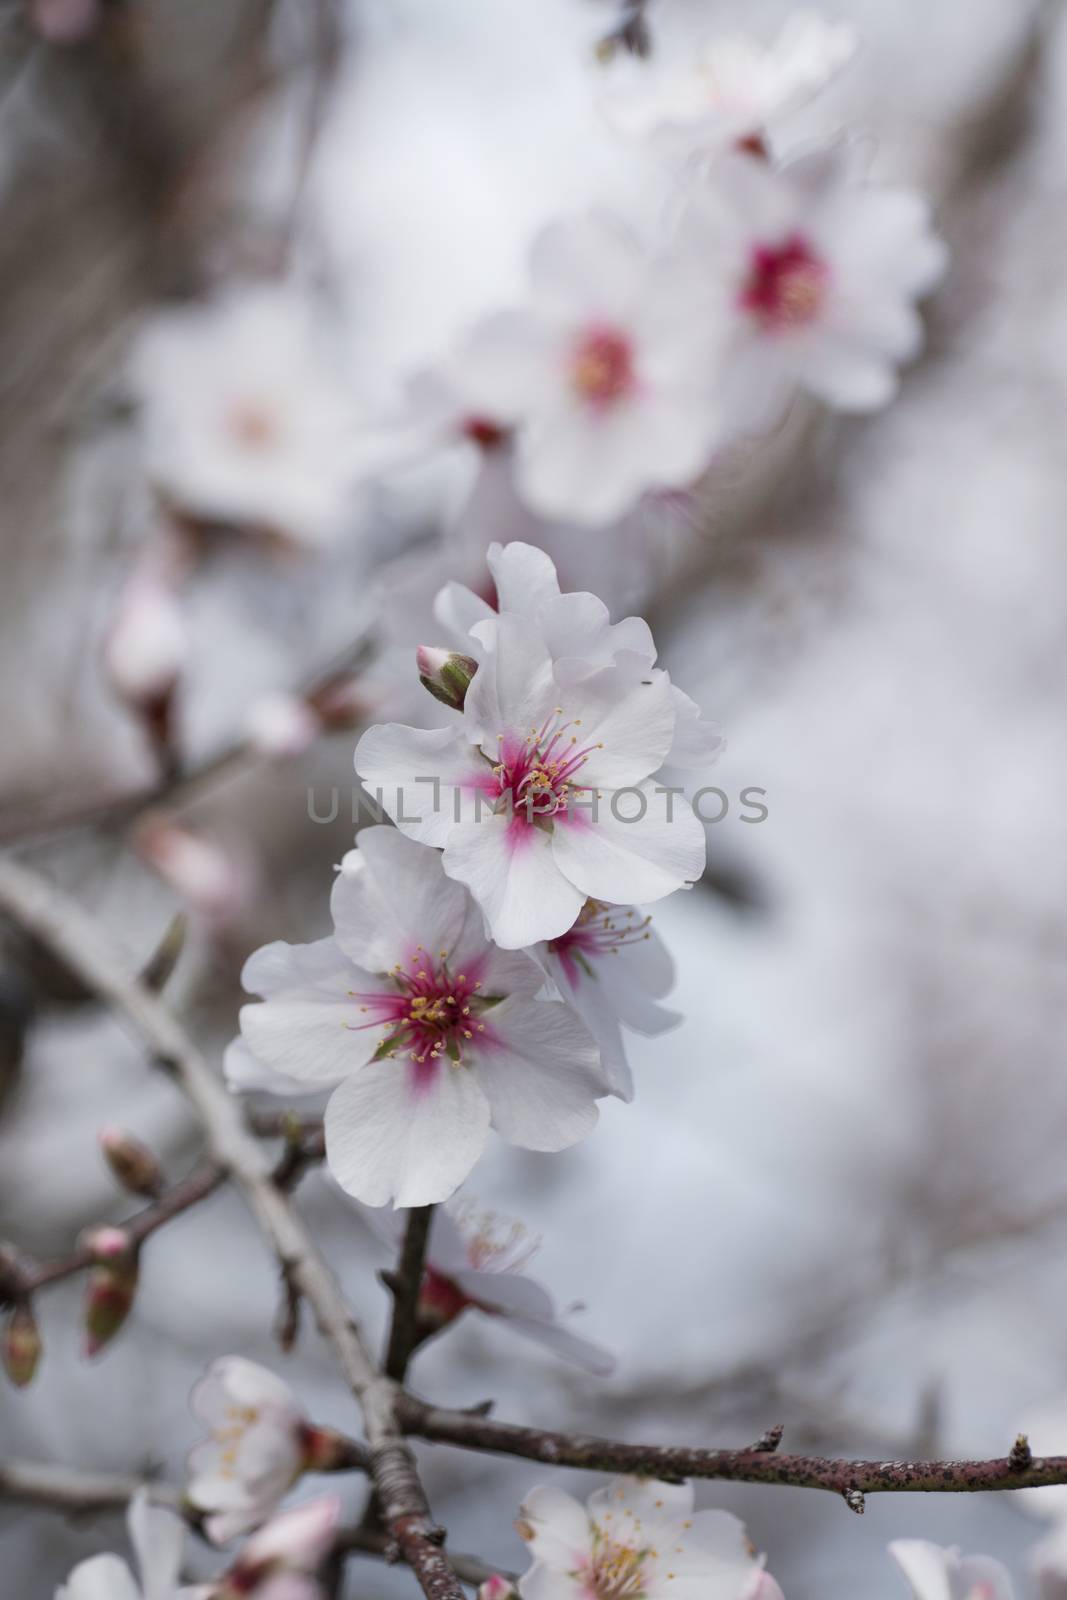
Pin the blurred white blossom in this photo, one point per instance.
(934, 1573)
(255, 1450)
(157, 1537)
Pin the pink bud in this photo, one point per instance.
(146, 646)
(20, 1347)
(296, 1541)
(65, 21)
(281, 726)
(132, 1163)
(446, 674)
(205, 875)
(496, 1588)
(110, 1287)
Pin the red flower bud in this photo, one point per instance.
(111, 1286)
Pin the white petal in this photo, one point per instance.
(514, 689)
(510, 868)
(926, 1566)
(561, 1530)
(458, 609)
(425, 778)
(562, 1342)
(580, 625)
(696, 743)
(510, 362)
(100, 1578)
(405, 1133)
(157, 1536)
(586, 267)
(850, 377)
(541, 1075)
(279, 966)
(311, 1035)
(244, 1074)
(611, 857)
(544, 1582)
(390, 896)
(646, 1504)
(509, 1293)
(710, 1557)
(629, 711)
(525, 577)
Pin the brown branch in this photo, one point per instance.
(404, 1329)
(365, 1541)
(850, 1479)
(21, 1277)
(81, 944)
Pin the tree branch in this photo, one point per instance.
(404, 1329)
(82, 945)
(850, 1479)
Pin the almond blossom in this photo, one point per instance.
(475, 1261)
(157, 1537)
(603, 372)
(636, 1538)
(280, 1560)
(819, 278)
(934, 1573)
(245, 420)
(701, 88)
(428, 1034)
(612, 968)
(259, 1444)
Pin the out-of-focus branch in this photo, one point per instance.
(404, 1329)
(80, 1493)
(852, 1480)
(80, 943)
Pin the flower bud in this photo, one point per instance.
(132, 1163)
(296, 1541)
(112, 1284)
(146, 647)
(496, 1588)
(445, 673)
(281, 726)
(20, 1349)
(325, 1450)
(210, 878)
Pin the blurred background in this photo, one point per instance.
(840, 1198)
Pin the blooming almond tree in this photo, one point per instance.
(475, 1261)
(636, 1538)
(430, 1033)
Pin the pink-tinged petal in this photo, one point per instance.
(301, 1538)
(100, 1578)
(627, 851)
(157, 1536)
(525, 577)
(390, 895)
(289, 1586)
(557, 1530)
(626, 720)
(222, 1527)
(245, 1074)
(763, 1587)
(407, 1133)
(542, 1074)
(926, 1567)
(513, 690)
(569, 1346)
(424, 778)
(982, 1575)
(511, 870)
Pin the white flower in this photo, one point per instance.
(431, 1034)
(245, 420)
(157, 1537)
(934, 1573)
(279, 1560)
(574, 626)
(476, 1260)
(603, 373)
(256, 1450)
(612, 969)
(636, 1538)
(819, 277)
(703, 89)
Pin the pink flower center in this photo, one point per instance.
(440, 1298)
(599, 931)
(430, 1012)
(786, 285)
(253, 425)
(537, 774)
(602, 368)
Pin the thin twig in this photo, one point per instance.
(850, 1479)
(81, 944)
(404, 1330)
